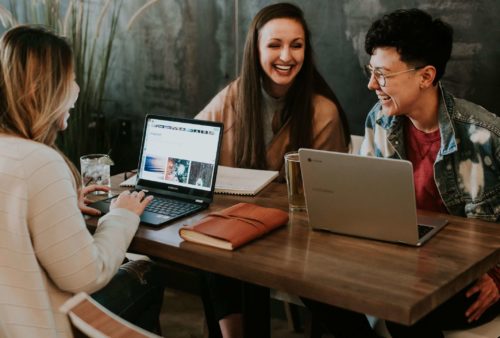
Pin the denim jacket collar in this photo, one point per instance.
(394, 126)
(467, 167)
(446, 110)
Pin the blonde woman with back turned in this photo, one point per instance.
(46, 251)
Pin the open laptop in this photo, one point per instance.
(178, 165)
(364, 196)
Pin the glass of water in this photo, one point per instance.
(296, 199)
(96, 169)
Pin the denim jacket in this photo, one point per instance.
(467, 167)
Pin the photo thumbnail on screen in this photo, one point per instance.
(177, 170)
(200, 174)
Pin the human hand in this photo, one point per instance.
(83, 201)
(488, 295)
(133, 201)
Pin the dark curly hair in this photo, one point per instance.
(419, 39)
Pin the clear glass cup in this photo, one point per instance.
(296, 199)
(96, 169)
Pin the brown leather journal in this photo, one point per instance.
(234, 226)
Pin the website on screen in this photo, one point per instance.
(179, 153)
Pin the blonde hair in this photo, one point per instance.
(36, 74)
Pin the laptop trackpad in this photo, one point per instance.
(154, 218)
(102, 206)
(146, 217)
(431, 221)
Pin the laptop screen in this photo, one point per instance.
(179, 155)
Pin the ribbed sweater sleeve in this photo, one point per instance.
(73, 259)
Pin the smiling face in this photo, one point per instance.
(402, 92)
(281, 54)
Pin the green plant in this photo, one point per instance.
(92, 37)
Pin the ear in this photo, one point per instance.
(427, 76)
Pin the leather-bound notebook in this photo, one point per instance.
(234, 226)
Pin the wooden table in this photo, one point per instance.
(390, 281)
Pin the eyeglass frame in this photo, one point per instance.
(370, 71)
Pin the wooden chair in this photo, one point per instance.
(90, 319)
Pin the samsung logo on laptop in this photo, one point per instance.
(172, 188)
(314, 160)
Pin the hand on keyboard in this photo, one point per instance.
(135, 201)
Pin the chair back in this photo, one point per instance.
(90, 319)
(355, 144)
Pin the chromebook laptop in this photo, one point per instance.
(178, 165)
(364, 196)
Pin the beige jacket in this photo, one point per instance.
(46, 251)
(327, 128)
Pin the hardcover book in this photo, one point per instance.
(234, 226)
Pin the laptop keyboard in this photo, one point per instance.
(423, 230)
(170, 207)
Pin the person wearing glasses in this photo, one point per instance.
(453, 144)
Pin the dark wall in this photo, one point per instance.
(338, 29)
(180, 53)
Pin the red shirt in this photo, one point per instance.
(421, 150)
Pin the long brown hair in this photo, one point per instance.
(250, 148)
(36, 74)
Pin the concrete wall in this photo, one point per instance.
(180, 53)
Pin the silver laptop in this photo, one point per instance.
(178, 165)
(364, 196)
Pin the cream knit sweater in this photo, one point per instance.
(46, 252)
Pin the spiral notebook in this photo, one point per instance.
(233, 181)
(238, 181)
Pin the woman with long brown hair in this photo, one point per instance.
(279, 103)
(46, 251)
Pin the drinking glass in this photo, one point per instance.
(96, 169)
(296, 200)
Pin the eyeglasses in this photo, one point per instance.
(381, 78)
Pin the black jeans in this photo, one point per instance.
(223, 296)
(339, 322)
(135, 294)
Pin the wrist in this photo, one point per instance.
(495, 275)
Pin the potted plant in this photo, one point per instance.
(91, 27)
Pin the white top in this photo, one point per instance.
(46, 251)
